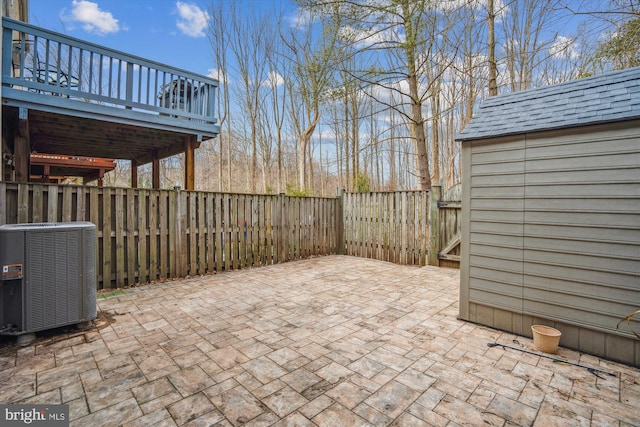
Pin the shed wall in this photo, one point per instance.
(551, 234)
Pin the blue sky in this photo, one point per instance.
(172, 32)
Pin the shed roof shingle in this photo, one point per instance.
(605, 98)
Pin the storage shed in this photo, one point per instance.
(551, 213)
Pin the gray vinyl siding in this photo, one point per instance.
(552, 222)
(496, 227)
(582, 211)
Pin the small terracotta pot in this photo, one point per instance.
(545, 338)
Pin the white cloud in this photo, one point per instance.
(217, 74)
(300, 19)
(564, 47)
(192, 20)
(91, 18)
(115, 64)
(273, 79)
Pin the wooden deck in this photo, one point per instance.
(61, 95)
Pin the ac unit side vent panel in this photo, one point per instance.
(90, 275)
(68, 281)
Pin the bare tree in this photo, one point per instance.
(248, 44)
(491, 48)
(279, 68)
(336, 124)
(218, 36)
(404, 30)
(526, 45)
(311, 74)
(398, 80)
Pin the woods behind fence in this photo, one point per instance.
(147, 235)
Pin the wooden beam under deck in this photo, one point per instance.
(72, 161)
(76, 138)
(62, 134)
(45, 167)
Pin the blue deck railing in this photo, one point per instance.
(54, 72)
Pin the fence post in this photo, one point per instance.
(179, 213)
(283, 240)
(434, 225)
(339, 209)
(23, 203)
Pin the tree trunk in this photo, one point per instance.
(280, 175)
(347, 156)
(302, 161)
(417, 121)
(419, 136)
(355, 139)
(310, 169)
(393, 185)
(435, 140)
(305, 138)
(254, 156)
(493, 66)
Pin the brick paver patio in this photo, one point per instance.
(331, 341)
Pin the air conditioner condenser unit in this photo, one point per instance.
(47, 276)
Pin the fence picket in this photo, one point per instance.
(132, 255)
(94, 217)
(52, 205)
(164, 241)
(208, 213)
(226, 231)
(153, 235)
(219, 232)
(119, 232)
(37, 202)
(81, 207)
(192, 246)
(67, 203)
(107, 255)
(143, 236)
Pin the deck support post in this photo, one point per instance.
(189, 169)
(46, 175)
(134, 173)
(155, 171)
(22, 147)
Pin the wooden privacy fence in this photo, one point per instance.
(404, 227)
(389, 226)
(147, 235)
